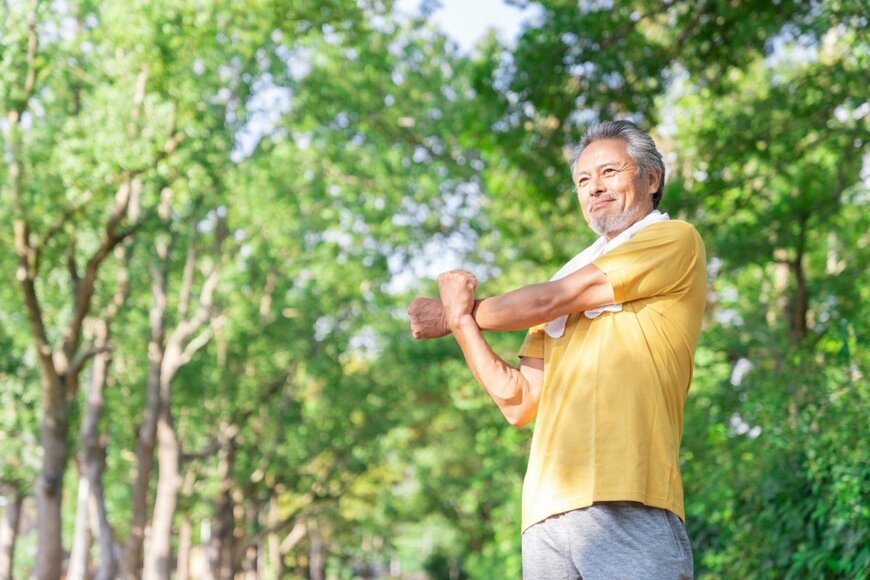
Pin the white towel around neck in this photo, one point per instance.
(556, 328)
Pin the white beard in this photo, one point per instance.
(616, 222)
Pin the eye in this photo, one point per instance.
(582, 181)
(609, 171)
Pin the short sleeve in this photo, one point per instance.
(659, 260)
(533, 345)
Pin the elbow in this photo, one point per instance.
(515, 397)
(520, 423)
(517, 417)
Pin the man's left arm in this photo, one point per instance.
(523, 308)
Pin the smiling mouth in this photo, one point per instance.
(600, 203)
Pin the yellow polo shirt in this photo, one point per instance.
(610, 416)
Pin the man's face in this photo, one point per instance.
(613, 194)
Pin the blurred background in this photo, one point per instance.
(215, 214)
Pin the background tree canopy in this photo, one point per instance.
(216, 214)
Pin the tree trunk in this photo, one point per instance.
(92, 458)
(166, 356)
(247, 565)
(316, 552)
(276, 558)
(94, 445)
(204, 543)
(53, 422)
(105, 536)
(9, 534)
(147, 435)
(185, 545)
(222, 545)
(81, 546)
(158, 562)
(49, 485)
(145, 443)
(799, 302)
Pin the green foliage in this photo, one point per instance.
(344, 152)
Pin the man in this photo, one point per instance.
(604, 371)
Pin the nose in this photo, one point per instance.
(596, 185)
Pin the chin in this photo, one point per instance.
(595, 228)
(611, 225)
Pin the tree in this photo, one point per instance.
(271, 181)
(28, 188)
(781, 155)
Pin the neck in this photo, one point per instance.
(610, 235)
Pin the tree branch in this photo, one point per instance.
(296, 535)
(81, 357)
(62, 221)
(122, 290)
(26, 276)
(30, 79)
(204, 309)
(203, 453)
(203, 312)
(71, 265)
(187, 277)
(85, 292)
(194, 345)
(28, 262)
(138, 101)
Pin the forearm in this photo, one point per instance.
(505, 385)
(539, 303)
(515, 310)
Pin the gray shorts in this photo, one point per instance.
(608, 541)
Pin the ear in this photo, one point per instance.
(652, 177)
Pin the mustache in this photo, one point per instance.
(592, 202)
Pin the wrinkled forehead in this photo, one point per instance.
(604, 152)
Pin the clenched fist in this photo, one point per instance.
(457, 294)
(427, 318)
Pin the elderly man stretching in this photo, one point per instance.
(604, 371)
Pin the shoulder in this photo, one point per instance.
(670, 232)
(671, 227)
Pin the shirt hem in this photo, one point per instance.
(586, 501)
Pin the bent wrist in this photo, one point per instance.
(463, 322)
(445, 322)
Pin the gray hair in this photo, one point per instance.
(641, 148)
